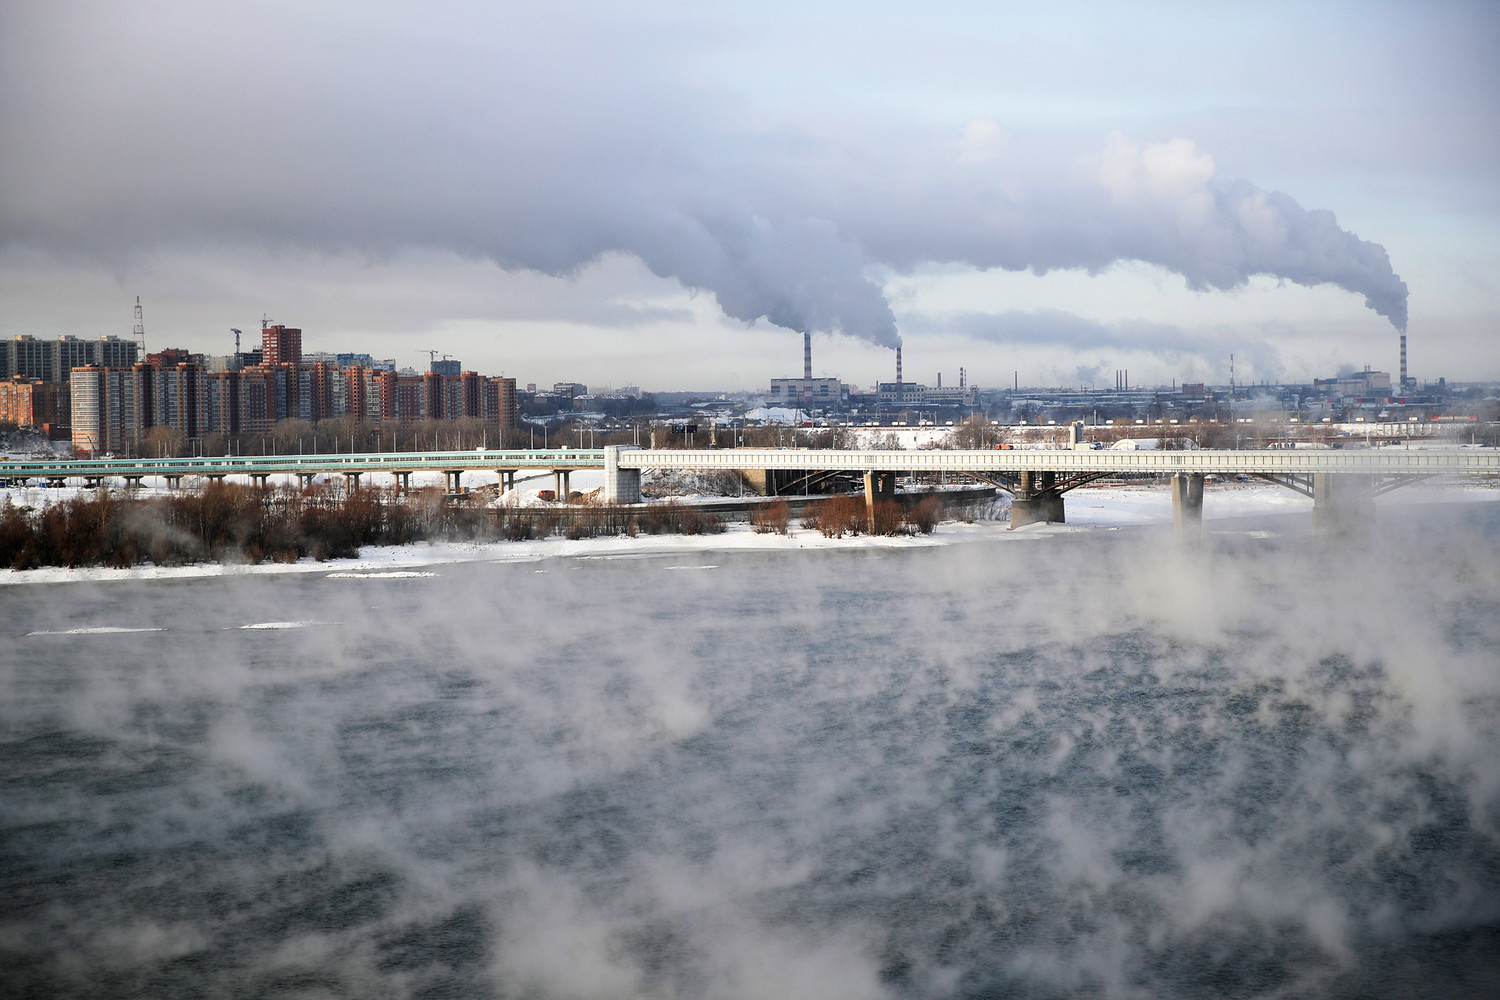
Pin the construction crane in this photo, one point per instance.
(432, 357)
(236, 339)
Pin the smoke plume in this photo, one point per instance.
(544, 142)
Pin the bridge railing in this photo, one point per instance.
(561, 458)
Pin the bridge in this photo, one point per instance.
(1341, 483)
(259, 468)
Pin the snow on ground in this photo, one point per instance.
(1089, 508)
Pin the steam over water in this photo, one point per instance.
(1076, 766)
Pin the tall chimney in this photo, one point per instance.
(898, 367)
(1403, 362)
(940, 380)
(807, 392)
(962, 377)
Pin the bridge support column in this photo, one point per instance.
(1341, 502)
(1037, 501)
(352, 478)
(453, 479)
(305, 479)
(878, 486)
(93, 482)
(173, 482)
(507, 480)
(1187, 504)
(403, 481)
(132, 482)
(214, 477)
(259, 479)
(560, 483)
(620, 485)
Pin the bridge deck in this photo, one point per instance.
(1383, 461)
(562, 459)
(1282, 461)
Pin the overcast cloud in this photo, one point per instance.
(551, 142)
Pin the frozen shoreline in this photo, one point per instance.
(1088, 509)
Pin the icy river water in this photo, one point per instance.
(1094, 765)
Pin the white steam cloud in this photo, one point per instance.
(545, 143)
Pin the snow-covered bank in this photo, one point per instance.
(1089, 508)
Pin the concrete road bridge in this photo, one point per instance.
(1341, 483)
(260, 468)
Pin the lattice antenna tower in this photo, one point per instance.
(139, 333)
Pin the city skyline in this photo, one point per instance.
(632, 197)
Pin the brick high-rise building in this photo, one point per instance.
(281, 345)
(29, 403)
(111, 407)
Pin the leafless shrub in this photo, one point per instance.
(888, 518)
(836, 516)
(682, 519)
(771, 518)
(925, 514)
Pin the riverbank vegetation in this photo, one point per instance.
(228, 522)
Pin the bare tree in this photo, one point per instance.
(978, 433)
(163, 441)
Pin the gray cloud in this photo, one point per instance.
(543, 142)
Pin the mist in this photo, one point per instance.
(1076, 766)
(546, 142)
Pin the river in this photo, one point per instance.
(1093, 765)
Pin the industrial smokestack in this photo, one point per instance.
(963, 378)
(898, 366)
(940, 380)
(1403, 362)
(807, 392)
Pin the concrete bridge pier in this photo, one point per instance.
(259, 479)
(620, 485)
(1342, 502)
(1037, 501)
(560, 483)
(403, 481)
(305, 479)
(453, 480)
(173, 482)
(132, 482)
(352, 478)
(1187, 504)
(878, 486)
(507, 480)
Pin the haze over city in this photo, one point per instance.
(664, 195)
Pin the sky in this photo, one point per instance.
(667, 195)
